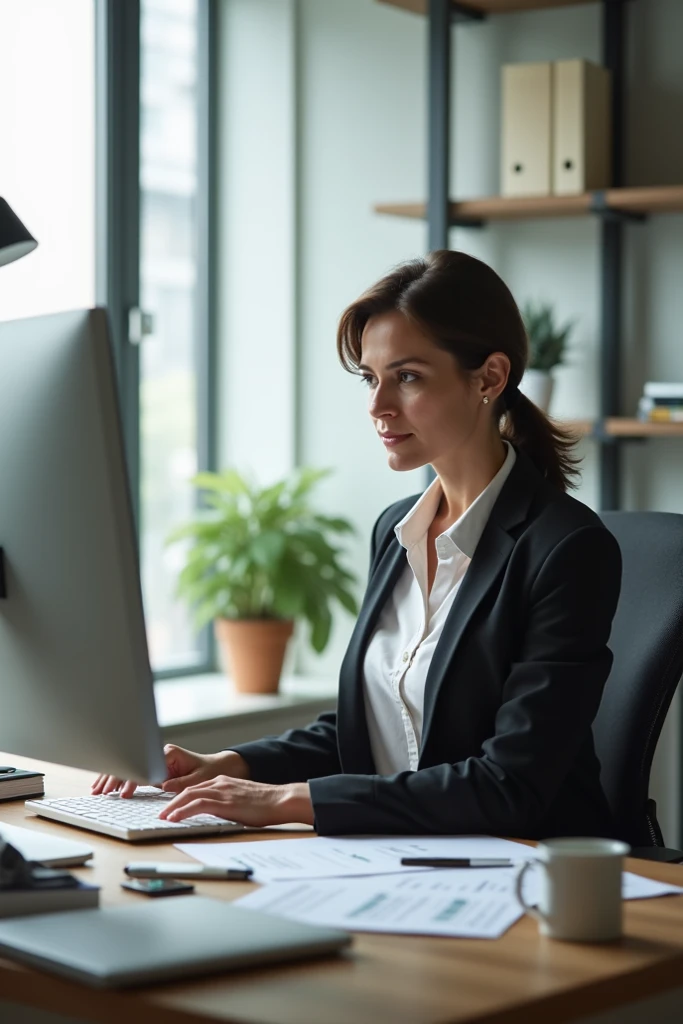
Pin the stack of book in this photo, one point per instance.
(661, 403)
(16, 783)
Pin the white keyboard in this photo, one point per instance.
(134, 818)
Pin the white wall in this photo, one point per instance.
(47, 152)
(256, 242)
(360, 138)
(361, 117)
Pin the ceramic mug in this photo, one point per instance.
(579, 888)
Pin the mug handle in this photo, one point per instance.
(530, 908)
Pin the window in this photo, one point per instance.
(169, 228)
(154, 156)
(122, 219)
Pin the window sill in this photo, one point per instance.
(205, 712)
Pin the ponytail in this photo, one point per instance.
(549, 446)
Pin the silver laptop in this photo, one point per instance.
(111, 947)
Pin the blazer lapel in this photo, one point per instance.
(351, 722)
(490, 558)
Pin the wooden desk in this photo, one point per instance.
(519, 979)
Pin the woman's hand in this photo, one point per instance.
(184, 768)
(250, 803)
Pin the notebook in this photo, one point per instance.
(16, 782)
(112, 947)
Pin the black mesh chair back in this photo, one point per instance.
(647, 643)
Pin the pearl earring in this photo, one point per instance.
(486, 399)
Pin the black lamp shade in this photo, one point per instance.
(15, 240)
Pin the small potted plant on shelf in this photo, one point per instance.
(257, 560)
(547, 344)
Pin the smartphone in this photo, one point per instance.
(157, 886)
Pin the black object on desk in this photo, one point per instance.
(158, 886)
(186, 869)
(456, 862)
(18, 873)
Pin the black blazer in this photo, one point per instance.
(511, 692)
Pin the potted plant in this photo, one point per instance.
(547, 344)
(257, 560)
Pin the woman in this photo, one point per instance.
(480, 653)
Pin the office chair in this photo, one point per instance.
(647, 643)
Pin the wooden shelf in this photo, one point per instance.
(488, 6)
(623, 426)
(651, 199)
(648, 199)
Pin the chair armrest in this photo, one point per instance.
(660, 853)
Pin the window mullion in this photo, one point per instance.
(207, 235)
(117, 231)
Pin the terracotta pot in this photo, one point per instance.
(537, 385)
(253, 651)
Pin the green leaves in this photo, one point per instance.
(266, 549)
(263, 553)
(547, 341)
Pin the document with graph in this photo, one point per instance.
(475, 903)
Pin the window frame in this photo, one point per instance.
(117, 234)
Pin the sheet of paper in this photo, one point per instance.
(470, 903)
(325, 857)
(633, 887)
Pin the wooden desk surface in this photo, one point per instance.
(384, 979)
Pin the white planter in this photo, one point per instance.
(537, 385)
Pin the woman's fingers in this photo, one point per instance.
(105, 784)
(184, 792)
(201, 805)
(183, 766)
(178, 785)
(208, 791)
(181, 762)
(112, 784)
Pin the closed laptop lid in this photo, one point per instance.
(166, 939)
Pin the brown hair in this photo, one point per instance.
(466, 309)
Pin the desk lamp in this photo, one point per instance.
(15, 240)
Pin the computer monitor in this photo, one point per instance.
(75, 678)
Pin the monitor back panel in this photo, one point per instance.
(76, 684)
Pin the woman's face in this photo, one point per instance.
(424, 407)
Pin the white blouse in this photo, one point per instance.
(403, 643)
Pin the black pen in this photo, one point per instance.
(456, 862)
(186, 869)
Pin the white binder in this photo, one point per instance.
(526, 143)
(581, 127)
